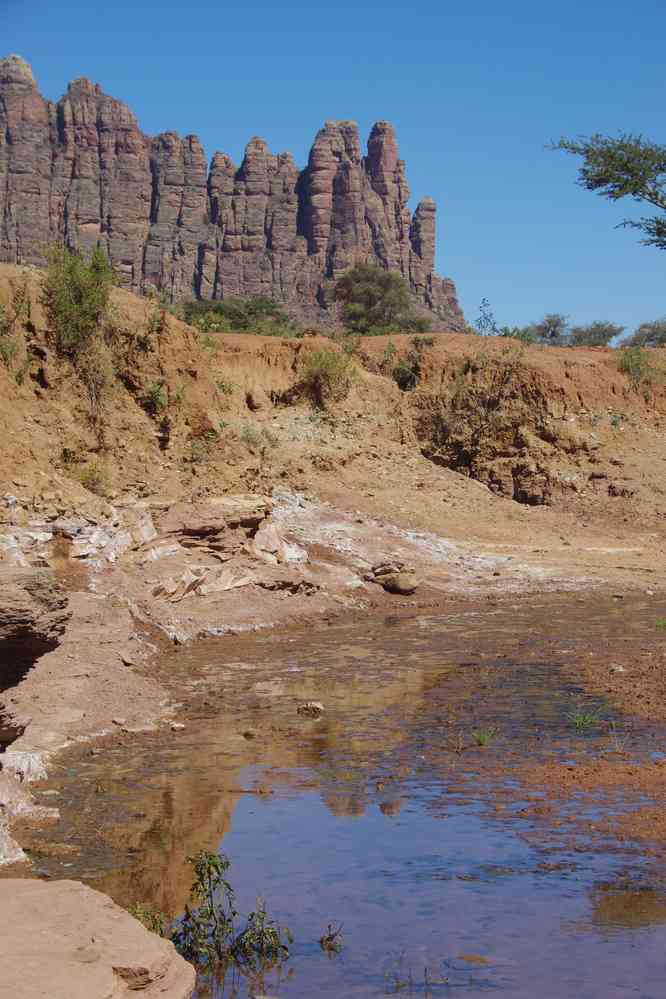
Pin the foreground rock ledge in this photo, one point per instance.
(66, 941)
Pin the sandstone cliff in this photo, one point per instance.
(80, 170)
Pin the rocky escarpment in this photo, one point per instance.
(81, 171)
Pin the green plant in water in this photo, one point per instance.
(207, 935)
(483, 736)
(331, 940)
(583, 720)
(207, 928)
(262, 942)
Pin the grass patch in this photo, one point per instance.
(483, 736)
(93, 477)
(326, 376)
(660, 624)
(583, 720)
(636, 364)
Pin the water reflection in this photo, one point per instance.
(422, 867)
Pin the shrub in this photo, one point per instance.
(407, 372)
(386, 365)
(475, 414)
(649, 334)
(326, 375)
(75, 296)
(155, 401)
(95, 370)
(635, 363)
(93, 477)
(8, 346)
(596, 334)
(11, 321)
(376, 301)
(258, 314)
(523, 333)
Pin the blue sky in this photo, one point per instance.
(476, 92)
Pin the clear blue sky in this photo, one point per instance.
(476, 91)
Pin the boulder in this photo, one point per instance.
(403, 583)
(67, 941)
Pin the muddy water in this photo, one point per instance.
(384, 814)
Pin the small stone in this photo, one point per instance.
(312, 709)
(119, 721)
(177, 726)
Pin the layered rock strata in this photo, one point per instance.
(81, 171)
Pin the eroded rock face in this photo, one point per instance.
(33, 615)
(81, 171)
(66, 941)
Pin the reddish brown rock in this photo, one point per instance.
(80, 171)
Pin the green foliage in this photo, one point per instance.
(258, 438)
(156, 323)
(483, 736)
(12, 321)
(376, 301)
(326, 375)
(155, 400)
(474, 414)
(258, 314)
(596, 334)
(207, 935)
(201, 446)
(93, 477)
(649, 334)
(407, 372)
(636, 364)
(154, 921)
(660, 624)
(95, 369)
(583, 720)
(75, 296)
(386, 364)
(552, 330)
(628, 166)
(226, 388)
(8, 345)
(523, 333)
